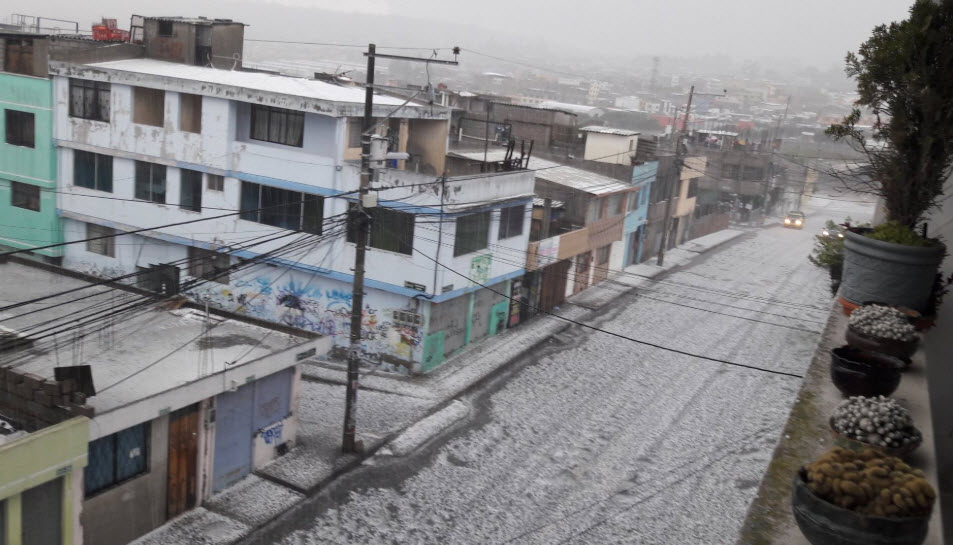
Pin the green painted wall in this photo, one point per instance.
(21, 228)
(58, 451)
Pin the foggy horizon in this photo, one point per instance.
(811, 35)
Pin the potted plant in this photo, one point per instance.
(861, 497)
(883, 329)
(902, 74)
(857, 372)
(875, 422)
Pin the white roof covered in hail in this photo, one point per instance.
(575, 178)
(141, 354)
(256, 81)
(609, 130)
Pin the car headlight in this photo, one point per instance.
(840, 235)
(787, 221)
(797, 222)
(825, 232)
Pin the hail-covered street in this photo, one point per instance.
(597, 439)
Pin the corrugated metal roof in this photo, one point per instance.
(609, 130)
(582, 180)
(196, 20)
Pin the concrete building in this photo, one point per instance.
(578, 224)
(181, 143)
(608, 145)
(41, 481)
(682, 208)
(636, 217)
(197, 41)
(27, 158)
(181, 404)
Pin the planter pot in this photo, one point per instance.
(861, 373)
(896, 274)
(848, 443)
(836, 272)
(899, 349)
(824, 523)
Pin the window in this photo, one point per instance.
(165, 29)
(209, 264)
(25, 196)
(277, 125)
(282, 208)
(117, 458)
(354, 125)
(472, 233)
(18, 56)
(103, 246)
(511, 221)
(616, 204)
(692, 188)
(634, 199)
(190, 112)
(148, 106)
(150, 182)
(390, 230)
(190, 190)
(729, 171)
(93, 171)
(89, 99)
(20, 128)
(216, 182)
(602, 254)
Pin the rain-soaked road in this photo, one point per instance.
(595, 439)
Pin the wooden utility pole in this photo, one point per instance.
(678, 177)
(362, 227)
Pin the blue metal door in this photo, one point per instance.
(233, 437)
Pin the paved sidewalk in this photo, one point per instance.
(389, 407)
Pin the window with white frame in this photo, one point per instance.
(106, 240)
(511, 221)
(89, 99)
(277, 125)
(472, 233)
(93, 170)
(150, 182)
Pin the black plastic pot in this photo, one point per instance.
(824, 523)
(900, 349)
(858, 372)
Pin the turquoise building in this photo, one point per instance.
(28, 217)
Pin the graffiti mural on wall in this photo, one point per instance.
(389, 338)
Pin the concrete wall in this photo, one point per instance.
(428, 140)
(180, 47)
(938, 345)
(19, 227)
(134, 507)
(610, 148)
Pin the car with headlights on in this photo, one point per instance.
(794, 220)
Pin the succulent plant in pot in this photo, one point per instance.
(881, 328)
(860, 497)
(902, 74)
(876, 422)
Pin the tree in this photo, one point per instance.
(904, 74)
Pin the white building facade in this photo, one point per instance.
(147, 145)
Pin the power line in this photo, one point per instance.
(614, 334)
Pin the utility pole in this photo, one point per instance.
(349, 442)
(678, 177)
(767, 182)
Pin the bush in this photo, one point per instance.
(898, 233)
(828, 252)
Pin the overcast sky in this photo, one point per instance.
(814, 32)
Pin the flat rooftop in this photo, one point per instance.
(575, 178)
(140, 355)
(240, 85)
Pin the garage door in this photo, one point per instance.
(233, 430)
